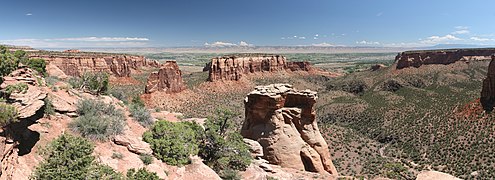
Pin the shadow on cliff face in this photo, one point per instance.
(26, 138)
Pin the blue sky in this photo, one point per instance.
(173, 23)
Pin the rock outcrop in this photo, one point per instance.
(168, 79)
(29, 100)
(419, 58)
(435, 175)
(76, 63)
(488, 91)
(283, 120)
(232, 68)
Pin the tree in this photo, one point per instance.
(8, 62)
(173, 143)
(141, 174)
(8, 114)
(94, 83)
(67, 157)
(223, 148)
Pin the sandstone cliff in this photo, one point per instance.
(488, 91)
(419, 58)
(235, 66)
(283, 121)
(168, 79)
(74, 64)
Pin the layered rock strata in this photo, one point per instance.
(168, 79)
(419, 58)
(487, 98)
(76, 64)
(283, 120)
(232, 68)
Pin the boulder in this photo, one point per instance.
(283, 120)
(168, 79)
(487, 98)
(133, 144)
(377, 67)
(254, 147)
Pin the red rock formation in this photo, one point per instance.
(283, 121)
(78, 63)
(167, 79)
(488, 91)
(419, 58)
(233, 67)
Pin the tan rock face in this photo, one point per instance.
(419, 58)
(32, 100)
(78, 63)
(283, 121)
(167, 79)
(232, 68)
(488, 91)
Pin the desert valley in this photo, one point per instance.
(283, 91)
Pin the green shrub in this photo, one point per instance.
(94, 83)
(146, 158)
(223, 148)
(51, 80)
(141, 115)
(103, 172)
(8, 62)
(8, 114)
(141, 174)
(16, 88)
(49, 109)
(68, 157)
(36, 64)
(117, 155)
(98, 120)
(173, 143)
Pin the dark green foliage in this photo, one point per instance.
(36, 64)
(223, 148)
(94, 83)
(15, 88)
(146, 158)
(68, 157)
(49, 109)
(103, 172)
(141, 115)
(8, 62)
(173, 143)
(8, 114)
(351, 86)
(141, 174)
(136, 100)
(230, 174)
(391, 85)
(98, 120)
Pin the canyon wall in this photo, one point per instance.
(419, 58)
(488, 90)
(75, 64)
(233, 67)
(168, 79)
(283, 120)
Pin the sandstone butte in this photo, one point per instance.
(168, 79)
(448, 56)
(488, 91)
(283, 120)
(76, 63)
(233, 67)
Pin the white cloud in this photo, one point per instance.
(379, 14)
(440, 39)
(363, 42)
(302, 37)
(481, 39)
(228, 44)
(462, 31)
(29, 14)
(323, 45)
(79, 42)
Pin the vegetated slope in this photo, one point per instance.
(424, 118)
